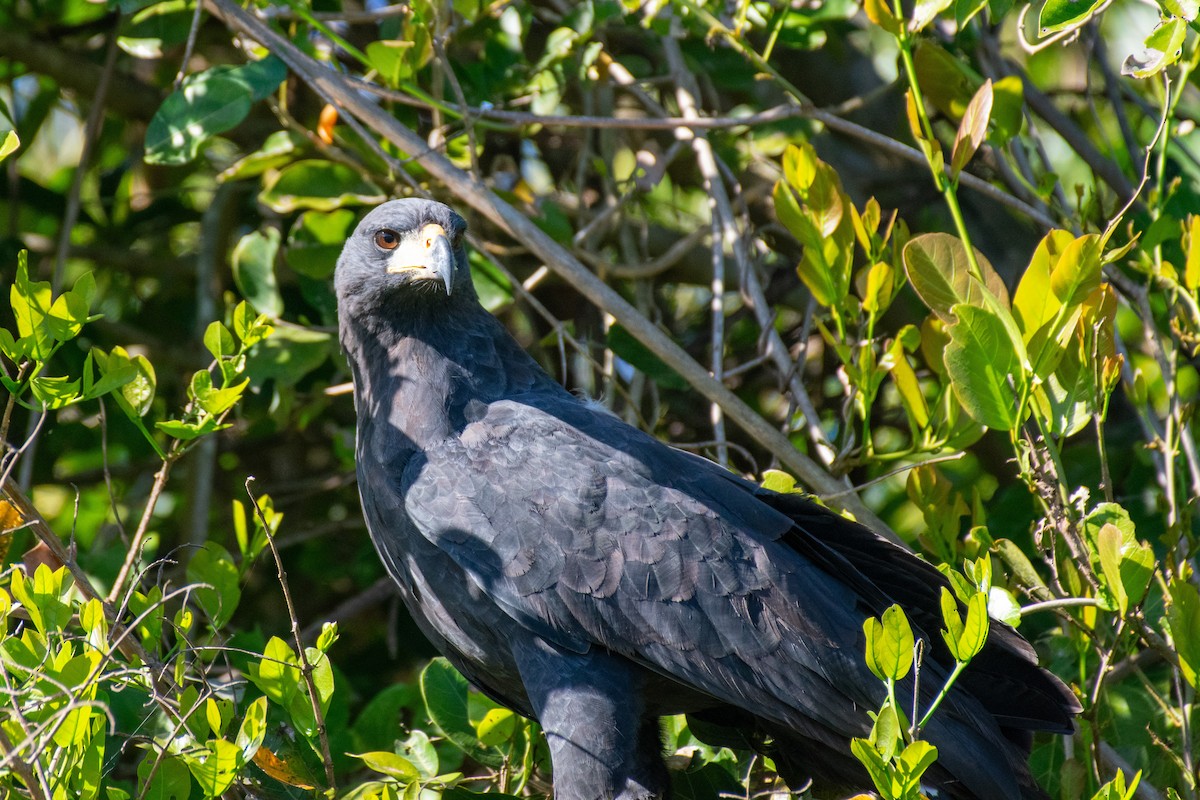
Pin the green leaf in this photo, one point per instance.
(277, 673)
(254, 271)
(937, 267)
(262, 77)
(206, 104)
(1077, 273)
(983, 368)
(137, 393)
(31, 301)
(975, 627)
(288, 355)
(916, 758)
(66, 316)
(215, 401)
(9, 142)
(147, 608)
(170, 779)
(925, 11)
(420, 751)
(1059, 14)
(964, 637)
(1127, 564)
(318, 185)
(887, 732)
(965, 11)
(497, 727)
(253, 729)
(279, 149)
(392, 60)
(215, 766)
(1181, 8)
(198, 110)
(54, 391)
(1162, 48)
(871, 759)
(445, 693)
(1041, 312)
(316, 240)
(322, 676)
(907, 384)
(218, 713)
(889, 644)
(390, 764)
(212, 564)
(219, 340)
(44, 597)
(947, 82)
(972, 129)
(250, 327)
(164, 24)
(779, 481)
(1183, 620)
(1002, 605)
(880, 12)
(1008, 103)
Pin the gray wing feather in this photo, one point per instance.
(575, 525)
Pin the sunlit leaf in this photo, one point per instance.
(880, 12)
(889, 644)
(390, 764)
(212, 565)
(1059, 14)
(1183, 619)
(972, 129)
(254, 270)
(925, 11)
(445, 693)
(938, 269)
(947, 82)
(168, 777)
(497, 727)
(9, 142)
(983, 368)
(215, 766)
(1187, 9)
(1162, 48)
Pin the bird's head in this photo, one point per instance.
(404, 248)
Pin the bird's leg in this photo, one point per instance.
(591, 709)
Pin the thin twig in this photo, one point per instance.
(306, 667)
(22, 768)
(829, 119)
(139, 535)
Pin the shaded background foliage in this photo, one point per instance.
(171, 156)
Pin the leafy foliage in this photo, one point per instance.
(952, 253)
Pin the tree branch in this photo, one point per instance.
(337, 90)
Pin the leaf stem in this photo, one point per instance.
(959, 666)
(937, 165)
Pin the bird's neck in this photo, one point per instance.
(415, 373)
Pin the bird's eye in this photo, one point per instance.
(386, 239)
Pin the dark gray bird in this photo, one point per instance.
(585, 574)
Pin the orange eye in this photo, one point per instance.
(386, 239)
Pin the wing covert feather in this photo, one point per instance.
(571, 521)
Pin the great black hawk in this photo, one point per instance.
(587, 575)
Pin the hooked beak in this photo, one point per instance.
(428, 255)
